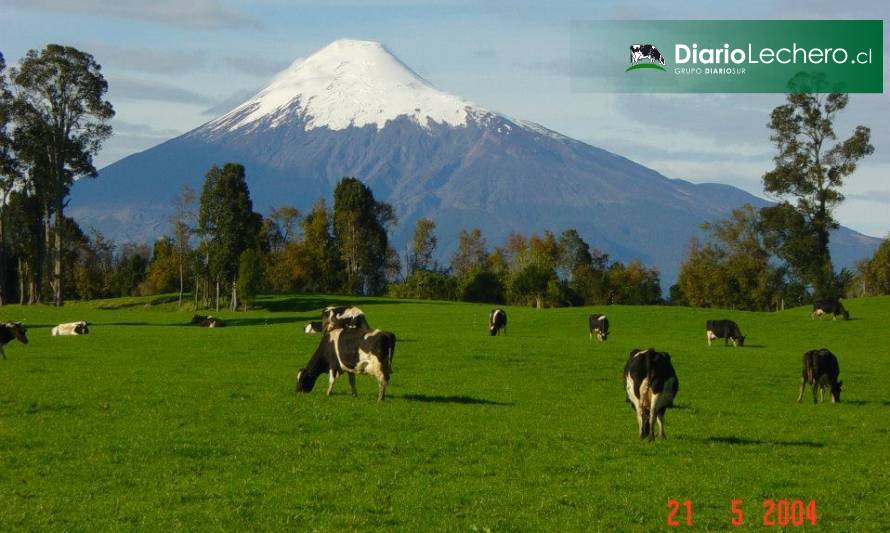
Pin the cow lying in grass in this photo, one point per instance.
(343, 317)
(207, 321)
(821, 369)
(80, 327)
(651, 385)
(354, 351)
(9, 331)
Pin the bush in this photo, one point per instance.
(425, 285)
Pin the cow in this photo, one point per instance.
(651, 386)
(599, 326)
(820, 369)
(726, 330)
(313, 327)
(832, 306)
(80, 327)
(207, 321)
(343, 317)
(647, 51)
(497, 320)
(9, 331)
(354, 351)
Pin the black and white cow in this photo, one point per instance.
(343, 317)
(820, 369)
(354, 351)
(207, 321)
(9, 331)
(497, 321)
(829, 306)
(651, 385)
(645, 51)
(80, 327)
(599, 326)
(313, 327)
(726, 330)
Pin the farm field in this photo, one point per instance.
(147, 423)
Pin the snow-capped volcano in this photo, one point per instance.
(354, 109)
(347, 83)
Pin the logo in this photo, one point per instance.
(645, 56)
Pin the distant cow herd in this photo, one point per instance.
(349, 345)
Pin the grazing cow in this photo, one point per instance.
(599, 326)
(647, 51)
(207, 321)
(80, 327)
(497, 320)
(354, 351)
(343, 317)
(726, 330)
(313, 327)
(651, 385)
(820, 369)
(9, 331)
(832, 306)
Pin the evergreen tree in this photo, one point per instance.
(319, 261)
(811, 171)
(60, 101)
(227, 224)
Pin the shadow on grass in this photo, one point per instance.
(754, 346)
(860, 403)
(305, 303)
(759, 442)
(159, 300)
(466, 400)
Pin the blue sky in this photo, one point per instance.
(173, 65)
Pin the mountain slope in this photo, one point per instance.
(353, 109)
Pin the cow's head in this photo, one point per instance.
(18, 331)
(306, 380)
(836, 392)
(845, 314)
(81, 328)
(740, 341)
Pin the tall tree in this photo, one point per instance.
(423, 245)
(319, 260)
(182, 221)
(360, 230)
(286, 219)
(60, 95)
(9, 172)
(227, 223)
(809, 168)
(470, 255)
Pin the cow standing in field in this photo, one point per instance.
(821, 369)
(726, 330)
(497, 320)
(343, 317)
(354, 351)
(313, 327)
(651, 385)
(207, 321)
(9, 331)
(599, 326)
(832, 306)
(71, 328)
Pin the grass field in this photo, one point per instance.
(150, 424)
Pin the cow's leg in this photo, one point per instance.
(640, 422)
(661, 424)
(381, 389)
(599, 336)
(652, 418)
(815, 392)
(821, 394)
(708, 337)
(332, 377)
(352, 384)
(3, 353)
(803, 383)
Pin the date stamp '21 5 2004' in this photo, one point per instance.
(776, 513)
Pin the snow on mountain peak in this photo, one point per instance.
(347, 83)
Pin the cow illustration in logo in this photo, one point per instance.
(639, 52)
